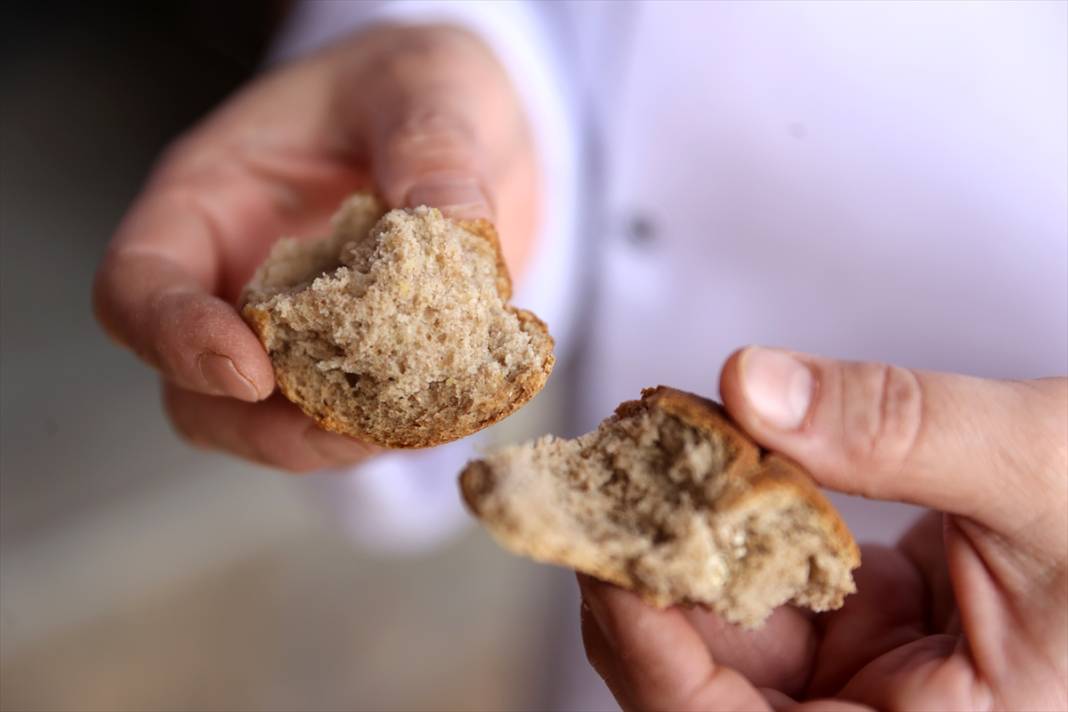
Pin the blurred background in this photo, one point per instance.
(135, 572)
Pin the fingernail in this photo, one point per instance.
(777, 386)
(336, 448)
(455, 195)
(222, 375)
(595, 606)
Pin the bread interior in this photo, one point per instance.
(397, 324)
(645, 501)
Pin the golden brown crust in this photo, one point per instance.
(709, 416)
(259, 320)
(506, 402)
(777, 471)
(486, 230)
(763, 471)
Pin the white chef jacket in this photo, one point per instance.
(880, 180)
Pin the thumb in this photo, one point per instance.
(655, 659)
(437, 109)
(433, 157)
(958, 444)
(442, 125)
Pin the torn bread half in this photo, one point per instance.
(396, 328)
(670, 499)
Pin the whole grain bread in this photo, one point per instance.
(670, 499)
(396, 328)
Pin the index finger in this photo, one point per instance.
(154, 294)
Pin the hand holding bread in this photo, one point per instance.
(396, 329)
(418, 115)
(966, 612)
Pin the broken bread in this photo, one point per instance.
(670, 499)
(396, 328)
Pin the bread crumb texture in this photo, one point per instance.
(396, 328)
(668, 498)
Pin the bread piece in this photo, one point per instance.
(396, 329)
(669, 499)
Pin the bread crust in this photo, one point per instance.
(504, 404)
(486, 230)
(760, 470)
(752, 475)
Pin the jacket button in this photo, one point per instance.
(640, 230)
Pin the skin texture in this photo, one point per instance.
(421, 115)
(968, 611)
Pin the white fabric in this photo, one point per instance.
(879, 181)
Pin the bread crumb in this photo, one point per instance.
(396, 329)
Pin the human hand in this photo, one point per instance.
(968, 611)
(424, 115)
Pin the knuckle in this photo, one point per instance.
(882, 412)
(430, 133)
(402, 56)
(722, 684)
(184, 157)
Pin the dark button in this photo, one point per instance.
(640, 230)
